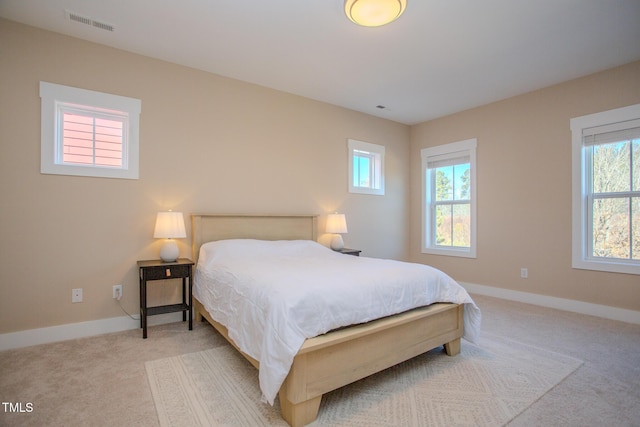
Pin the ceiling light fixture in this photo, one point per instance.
(374, 13)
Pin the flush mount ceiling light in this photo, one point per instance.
(374, 13)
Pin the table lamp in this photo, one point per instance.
(169, 226)
(337, 225)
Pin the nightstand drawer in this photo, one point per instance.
(166, 272)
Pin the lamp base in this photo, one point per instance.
(169, 251)
(336, 242)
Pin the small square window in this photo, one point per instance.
(88, 133)
(366, 168)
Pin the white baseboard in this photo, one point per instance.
(123, 323)
(604, 311)
(79, 330)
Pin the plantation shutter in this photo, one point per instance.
(92, 137)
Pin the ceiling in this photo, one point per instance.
(440, 57)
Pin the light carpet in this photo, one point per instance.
(485, 385)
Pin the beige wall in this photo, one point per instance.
(207, 144)
(524, 189)
(212, 144)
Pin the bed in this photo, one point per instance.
(340, 356)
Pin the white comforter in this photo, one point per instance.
(272, 296)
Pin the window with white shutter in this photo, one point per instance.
(88, 133)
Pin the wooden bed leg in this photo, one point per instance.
(299, 414)
(452, 348)
(198, 309)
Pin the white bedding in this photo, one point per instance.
(272, 295)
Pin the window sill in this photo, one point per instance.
(607, 266)
(462, 253)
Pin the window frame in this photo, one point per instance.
(375, 153)
(581, 227)
(55, 99)
(466, 148)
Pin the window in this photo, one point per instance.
(449, 194)
(606, 191)
(88, 133)
(366, 168)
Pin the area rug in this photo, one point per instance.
(485, 385)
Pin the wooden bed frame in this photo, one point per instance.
(340, 357)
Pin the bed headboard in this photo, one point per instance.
(210, 227)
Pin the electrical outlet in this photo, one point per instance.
(76, 295)
(524, 273)
(117, 292)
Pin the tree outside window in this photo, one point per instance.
(615, 199)
(453, 205)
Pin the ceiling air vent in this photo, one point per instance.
(72, 16)
(103, 26)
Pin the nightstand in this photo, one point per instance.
(354, 252)
(182, 268)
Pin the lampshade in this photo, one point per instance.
(336, 224)
(374, 13)
(169, 225)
